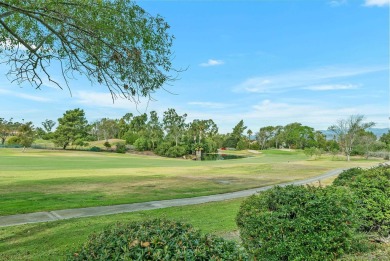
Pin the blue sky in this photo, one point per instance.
(266, 62)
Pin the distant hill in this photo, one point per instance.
(377, 131)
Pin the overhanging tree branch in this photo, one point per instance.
(114, 43)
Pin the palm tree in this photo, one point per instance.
(249, 132)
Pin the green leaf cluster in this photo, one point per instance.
(113, 42)
(72, 128)
(372, 188)
(156, 239)
(298, 223)
(120, 148)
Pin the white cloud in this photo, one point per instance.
(269, 112)
(24, 96)
(376, 2)
(104, 99)
(331, 87)
(212, 62)
(336, 3)
(313, 115)
(211, 105)
(301, 78)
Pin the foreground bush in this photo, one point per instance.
(372, 188)
(298, 223)
(156, 240)
(347, 176)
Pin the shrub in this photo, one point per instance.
(298, 223)
(242, 145)
(254, 146)
(95, 149)
(15, 140)
(162, 148)
(372, 188)
(120, 148)
(347, 176)
(379, 154)
(141, 144)
(310, 151)
(107, 145)
(176, 151)
(130, 137)
(156, 240)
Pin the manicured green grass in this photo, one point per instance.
(41, 180)
(50, 241)
(45, 180)
(53, 240)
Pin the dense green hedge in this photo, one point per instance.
(347, 176)
(298, 223)
(156, 240)
(372, 188)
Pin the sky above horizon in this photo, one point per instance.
(265, 62)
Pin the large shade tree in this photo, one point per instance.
(264, 135)
(113, 42)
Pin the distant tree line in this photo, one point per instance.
(172, 136)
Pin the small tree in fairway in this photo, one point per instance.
(72, 126)
(26, 134)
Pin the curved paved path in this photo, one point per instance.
(37, 217)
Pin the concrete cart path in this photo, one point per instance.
(37, 217)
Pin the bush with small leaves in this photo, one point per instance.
(242, 145)
(107, 145)
(120, 148)
(162, 148)
(15, 140)
(372, 189)
(141, 144)
(347, 176)
(176, 151)
(156, 240)
(95, 149)
(298, 223)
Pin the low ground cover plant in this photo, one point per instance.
(156, 239)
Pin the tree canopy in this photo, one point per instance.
(347, 131)
(113, 42)
(72, 127)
